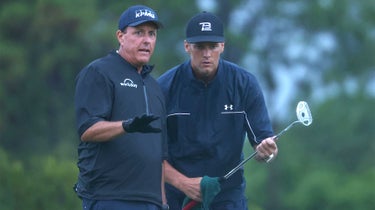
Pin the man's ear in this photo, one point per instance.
(119, 35)
(223, 46)
(186, 46)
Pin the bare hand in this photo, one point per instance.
(266, 149)
(192, 188)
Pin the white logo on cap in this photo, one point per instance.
(141, 13)
(206, 26)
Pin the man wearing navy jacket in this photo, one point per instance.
(211, 105)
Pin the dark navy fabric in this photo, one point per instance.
(129, 166)
(208, 123)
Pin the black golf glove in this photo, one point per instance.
(140, 124)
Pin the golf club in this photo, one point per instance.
(303, 115)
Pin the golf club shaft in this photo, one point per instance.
(235, 169)
(285, 129)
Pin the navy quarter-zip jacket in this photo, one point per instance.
(207, 123)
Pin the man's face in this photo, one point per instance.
(137, 43)
(204, 58)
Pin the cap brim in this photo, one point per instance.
(157, 23)
(205, 39)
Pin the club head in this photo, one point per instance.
(303, 113)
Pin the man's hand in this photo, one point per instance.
(267, 150)
(191, 187)
(140, 124)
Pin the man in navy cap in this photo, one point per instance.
(211, 105)
(120, 114)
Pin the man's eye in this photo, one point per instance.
(202, 47)
(139, 33)
(199, 47)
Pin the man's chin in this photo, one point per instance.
(144, 60)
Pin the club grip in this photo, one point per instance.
(193, 203)
(190, 205)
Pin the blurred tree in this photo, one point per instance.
(309, 48)
(335, 157)
(40, 56)
(41, 184)
(328, 165)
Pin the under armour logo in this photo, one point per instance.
(206, 26)
(228, 107)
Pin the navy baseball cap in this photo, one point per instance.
(136, 15)
(205, 27)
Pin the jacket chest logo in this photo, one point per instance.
(128, 83)
(228, 107)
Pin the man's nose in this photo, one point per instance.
(206, 52)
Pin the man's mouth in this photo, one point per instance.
(144, 50)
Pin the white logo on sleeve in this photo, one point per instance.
(128, 83)
(206, 26)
